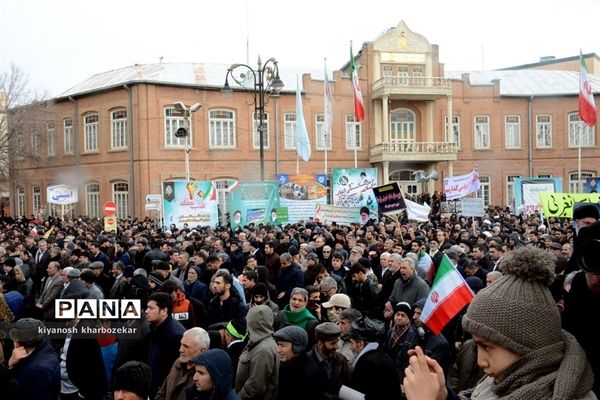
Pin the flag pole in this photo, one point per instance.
(297, 164)
(355, 159)
(579, 154)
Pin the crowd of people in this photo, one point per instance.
(302, 311)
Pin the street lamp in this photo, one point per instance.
(266, 78)
(186, 132)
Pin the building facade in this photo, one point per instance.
(113, 135)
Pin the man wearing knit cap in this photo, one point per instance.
(34, 365)
(521, 347)
(401, 336)
(132, 381)
(299, 375)
(334, 366)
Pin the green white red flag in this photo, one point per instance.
(359, 106)
(449, 294)
(587, 107)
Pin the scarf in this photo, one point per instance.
(398, 333)
(558, 371)
(298, 318)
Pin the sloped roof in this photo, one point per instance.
(525, 83)
(180, 74)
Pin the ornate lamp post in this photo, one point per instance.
(266, 79)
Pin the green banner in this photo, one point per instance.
(561, 204)
(256, 202)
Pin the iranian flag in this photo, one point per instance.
(587, 108)
(359, 106)
(449, 294)
(426, 264)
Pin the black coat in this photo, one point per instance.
(375, 376)
(85, 367)
(301, 379)
(164, 350)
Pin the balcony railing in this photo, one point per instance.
(415, 151)
(412, 85)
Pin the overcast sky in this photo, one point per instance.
(60, 43)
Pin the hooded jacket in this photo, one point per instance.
(220, 368)
(258, 368)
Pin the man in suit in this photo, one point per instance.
(118, 286)
(50, 290)
(72, 285)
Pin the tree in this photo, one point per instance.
(20, 120)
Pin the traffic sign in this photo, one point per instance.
(110, 224)
(109, 208)
(152, 206)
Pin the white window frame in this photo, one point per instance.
(223, 198)
(289, 129)
(51, 138)
(481, 132)
(118, 134)
(90, 129)
(587, 135)
(510, 190)
(512, 131)
(387, 72)
(20, 202)
(575, 184)
(543, 131)
(36, 199)
(455, 137)
(92, 200)
(403, 126)
(485, 190)
(322, 141)
(255, 136)
(402, 73)
(353, 133)
(544, 175)
(221, 124)
(174, 120)
(68, 136)
(418, 75)
(35, 142)
(120, 195)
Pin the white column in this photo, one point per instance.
(385, 119)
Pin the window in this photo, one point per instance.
(543, 129)
(290, 131)
(35, 142)
(174, 120)
(51, 135)
(37, 199)
(223, 198)
(544, 176)
(402, 126)
(510, 190)
(417, 76)
(19, 144)
(20, 202)
(92, 200)
(485, 190)
(482, 132)
(512, 131)
(577, 185)
(453, 137)
(265, 131)
(579, 133)
(121, 198)
(90, 128)
(323, 140)
(68, 136)
(222, 128)
(388, 74)
(353, 134)
(403, 75)
(119, 129)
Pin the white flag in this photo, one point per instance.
(417, 212)
(303, 146)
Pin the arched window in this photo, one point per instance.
(118, 119)
(90, 132)
(222, 128)
(120, 195)
(402, 126)
(92, 200)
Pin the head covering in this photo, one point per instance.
(97, 265)
(520, 294)
(27, 331)
(133, 376)
(405, 308)
(312, 256)
(72, 273)
(586, 211)
(338, 300)
(474, 283)
(327, 331)
(220, 368)
(260, 289)
(237, 328)
(128, 271)
(156, 279)
(14, 301)
(295, 335)
(366, 329)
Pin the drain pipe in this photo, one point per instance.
(132, 198)
(530, 135)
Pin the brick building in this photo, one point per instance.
(113, 135)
